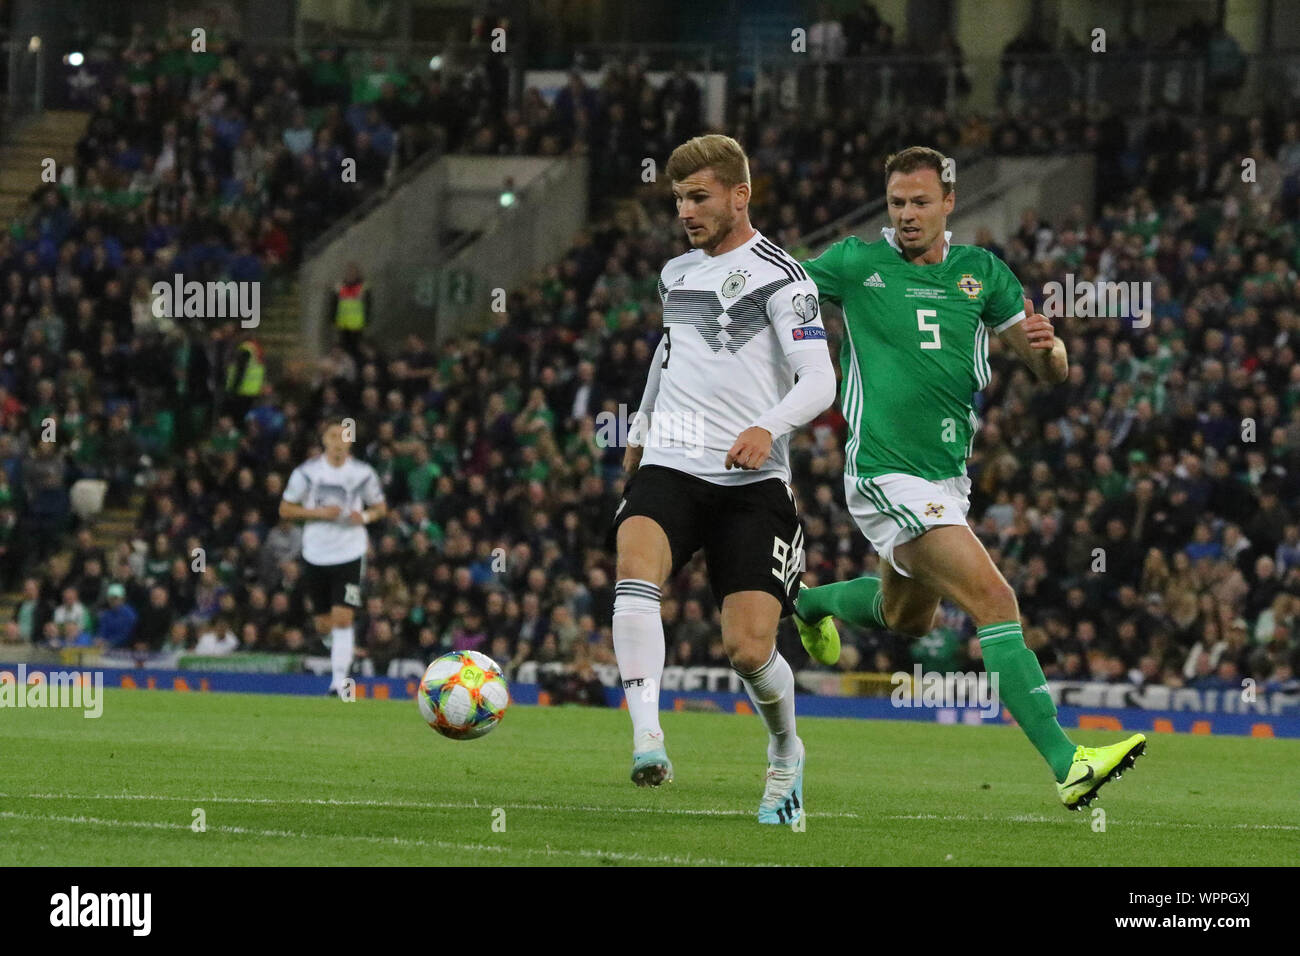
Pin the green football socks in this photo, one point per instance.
(1022, 687)
(857, 602)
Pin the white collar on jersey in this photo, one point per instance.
(888, 234)
(748, 243)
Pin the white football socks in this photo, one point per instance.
(340, 655)
(639, 648)
(771, 688)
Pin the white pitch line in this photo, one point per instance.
(406, 805)
(413, 805)
(1066, 821)
(384, 841)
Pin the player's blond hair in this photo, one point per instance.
(919, 157)
(722, 154)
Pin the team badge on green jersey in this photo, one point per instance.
(914, 353)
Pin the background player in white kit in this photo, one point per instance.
(743, 362)
(337, 496)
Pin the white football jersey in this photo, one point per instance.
(353, 486)
(730, 321)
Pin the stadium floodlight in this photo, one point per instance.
(74, 59)
(34, 45)
(435, 62)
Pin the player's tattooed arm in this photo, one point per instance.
(1035, 341)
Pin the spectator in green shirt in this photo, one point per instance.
(535, 420)
(225, 437)
(442, 450)
(29, 610)
(1107, 480)
(420, 479)
(44, 408)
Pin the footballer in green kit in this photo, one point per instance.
(918, 313)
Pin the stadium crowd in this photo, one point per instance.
(1145, 511)
(219, 165)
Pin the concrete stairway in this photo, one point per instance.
(110, 528)
(52, 135)
(280, 333)
(55, 135)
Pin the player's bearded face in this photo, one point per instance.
(918, 209)
(715, 228)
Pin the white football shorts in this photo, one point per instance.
(893, 509)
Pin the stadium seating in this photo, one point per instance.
(488, 445)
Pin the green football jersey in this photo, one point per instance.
(915, 351)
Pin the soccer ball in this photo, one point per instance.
(463, 695)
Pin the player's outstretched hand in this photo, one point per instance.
(1038, 328)
(751, 449)
(356, 517)
(632, 458)
(329, 512)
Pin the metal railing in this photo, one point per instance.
(1127, 82)
(395, 181)
(874, 210)
(511, 244)
(646, 56)
(22, 81)
(357, 54)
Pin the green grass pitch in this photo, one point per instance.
(312, 781)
